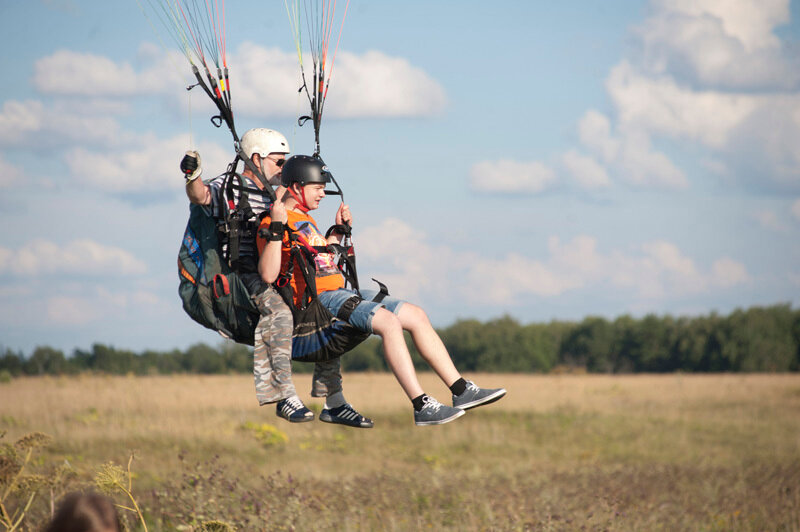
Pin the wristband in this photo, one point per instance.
(272, 234)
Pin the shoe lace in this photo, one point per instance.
(471, 386)
(293, 404)
(429, 403)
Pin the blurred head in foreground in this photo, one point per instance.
(85, 512)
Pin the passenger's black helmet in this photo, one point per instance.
(304, 170)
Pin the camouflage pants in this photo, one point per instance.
(272, 355)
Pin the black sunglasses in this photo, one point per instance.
(278, 162)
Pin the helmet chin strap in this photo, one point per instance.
(301, 203)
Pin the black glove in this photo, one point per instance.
(190, 166)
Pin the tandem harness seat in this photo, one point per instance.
(213, 293)
(318, 335)
(210, 265)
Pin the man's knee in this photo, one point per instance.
(413, 316)
(384, 322)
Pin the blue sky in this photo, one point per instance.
(537, 159)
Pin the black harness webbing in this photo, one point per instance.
(348, 307)
(237, 220)
(302, 255)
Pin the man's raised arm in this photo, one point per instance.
(197, 191)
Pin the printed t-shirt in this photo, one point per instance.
(328, 277)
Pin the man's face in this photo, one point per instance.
(313, 195)
(271, 167)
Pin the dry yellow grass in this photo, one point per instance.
(629, 452)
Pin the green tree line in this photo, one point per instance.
(763, 339)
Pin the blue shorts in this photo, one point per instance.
(361, 318)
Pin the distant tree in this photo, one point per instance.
(689, 348)
(796, 338)
(626, 349)
(12, 362)
(507, 346)
(760, 339)
(110, 360)
(464, 342)
(203, 359)
(539, 348)
(754, 339)
(45, 361)
(589, 345)
(367, 356)
(237, 358)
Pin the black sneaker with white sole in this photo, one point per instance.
(474, 396)
(293, 410)
(345, 415)
(435, 413)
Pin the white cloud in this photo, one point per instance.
(752, 133)
(372, 84)
(749, 21)
(149, 164)
(10, 174)
(32, 123)
(727, 272)
(96, 304)
(375, 84)
(796, 208)
(643, 166)
(78, 257)
(506, 176)
(594, 130)
(419, 270)
(720, 43)
(506, 280)
(586, 171)
(630, 154)
(712, 74)
(19, 118)
(660, 105)
(264, 81)
(769, 220)
(68, 73)
(72, 310)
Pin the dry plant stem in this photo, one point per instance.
(129, 493)
(22, 514)
(7, 519)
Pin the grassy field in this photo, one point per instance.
(671, 452)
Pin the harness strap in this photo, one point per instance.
(348, 307)
(382, 293)
(251, 190)
(224, 286)
(252, 167)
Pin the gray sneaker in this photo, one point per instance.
(474, 396)
(435, 413)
